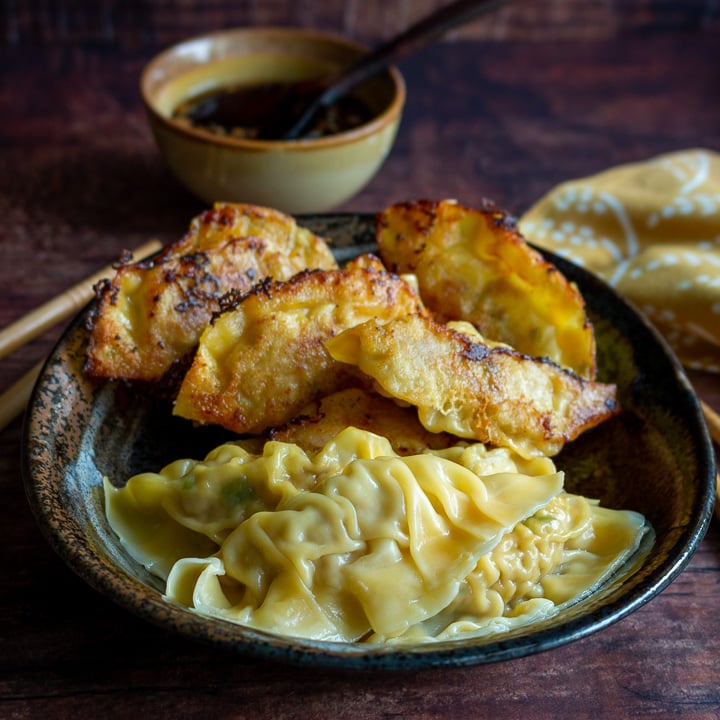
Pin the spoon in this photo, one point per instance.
(283, 111)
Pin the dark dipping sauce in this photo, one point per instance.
(206, 111)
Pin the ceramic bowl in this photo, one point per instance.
(302, 176)
(655, 457)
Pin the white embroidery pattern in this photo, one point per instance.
(654, 231)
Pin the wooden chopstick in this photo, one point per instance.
(14, 399)
(713, 421)
(41, 319)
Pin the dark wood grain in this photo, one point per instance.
(136, 23)
(507, 109)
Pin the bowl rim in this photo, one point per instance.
(390, 115)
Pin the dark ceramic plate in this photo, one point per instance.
(655, 458)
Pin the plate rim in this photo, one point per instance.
(346, 656)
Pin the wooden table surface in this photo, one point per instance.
(493, 113)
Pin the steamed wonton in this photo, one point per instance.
(355, 543)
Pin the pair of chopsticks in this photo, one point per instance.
(36, 322)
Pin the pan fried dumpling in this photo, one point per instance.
(262, 360)
(151, 314)
(465, 386)
(474, 265)
(318, 423)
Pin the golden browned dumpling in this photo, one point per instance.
(262, 360)
(474, 265)
(356, 407)
(151, 314)
(472, 389)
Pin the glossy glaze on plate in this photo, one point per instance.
(655, 458)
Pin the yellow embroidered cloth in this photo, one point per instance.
(652, 230)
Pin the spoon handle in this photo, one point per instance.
(422, 33)
(417, 36)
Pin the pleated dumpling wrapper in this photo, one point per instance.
(150, 315)
(262, 360)
(355, 543)
(464, 385)
(473, 265)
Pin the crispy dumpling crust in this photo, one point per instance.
(474, 265)
(356, 407)
(151, 314)
(262, 360)
(492, 394)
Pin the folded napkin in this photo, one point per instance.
(652, 230)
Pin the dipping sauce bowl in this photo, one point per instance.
(308, 175)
